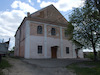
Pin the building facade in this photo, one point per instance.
(4, 48)
(42, 35)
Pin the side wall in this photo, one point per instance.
(20, 41)
(16, 51)
(80, 52)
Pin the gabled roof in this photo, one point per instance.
(50, 13)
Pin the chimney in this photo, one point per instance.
(28, 14)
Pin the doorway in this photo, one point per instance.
(54, 51)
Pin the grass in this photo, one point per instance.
(4, 64)
(86, 68)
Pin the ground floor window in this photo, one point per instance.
(67, 50)
(39, 49)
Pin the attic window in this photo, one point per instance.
(41, 14)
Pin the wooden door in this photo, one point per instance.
(53, 52)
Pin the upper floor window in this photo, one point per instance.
(67, 50)
(65, 32)
(53, 31)
(39, 30)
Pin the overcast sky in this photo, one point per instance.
(12, 13)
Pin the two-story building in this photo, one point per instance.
(42, 35)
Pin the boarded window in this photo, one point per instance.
(39, 49)
(53, 31)
(39, 30)
(67, 50)
(41, 15)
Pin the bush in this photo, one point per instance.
(90, 55)
(99, 54)
(4, 64)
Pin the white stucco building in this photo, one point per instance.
(42, 35)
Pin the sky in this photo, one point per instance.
(12, 13)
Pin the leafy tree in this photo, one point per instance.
(97, 4)
(85, 26)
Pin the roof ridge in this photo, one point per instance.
(42, 9)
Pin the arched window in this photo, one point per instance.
(53, 31)
(39, 30)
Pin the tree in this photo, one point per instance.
(86, 26)
(97, 4)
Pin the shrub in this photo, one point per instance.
(4, 64)
(90, 55)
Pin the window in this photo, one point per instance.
(67, 50)
(39, 49)
(41, 14)
(39, 30)
(65, 33)
(53, 31)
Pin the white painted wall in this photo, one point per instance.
(27, 40)
(74, 53)
(39, 40)
(67, 43)
(53, 42)
(35, 41)
(32, 42)
(16, 52)
(80, 52)
(45, 40)
(61, 42)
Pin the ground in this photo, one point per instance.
(86, 68)
(39, 67)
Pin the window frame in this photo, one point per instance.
(39, 49)
(39, 29)
(67, 50)
(53, 31)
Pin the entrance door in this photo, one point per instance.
(54, 52)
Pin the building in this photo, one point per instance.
(42, 35)
(4, 48)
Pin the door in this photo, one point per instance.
(53, 52)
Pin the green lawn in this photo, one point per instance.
(4, 64)
(86, 68)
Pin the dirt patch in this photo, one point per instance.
(22, 68)
(18, 68)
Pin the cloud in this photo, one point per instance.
(23, 6)
(10, 20)
(30, 2)
(38, 1)
(63, 5)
